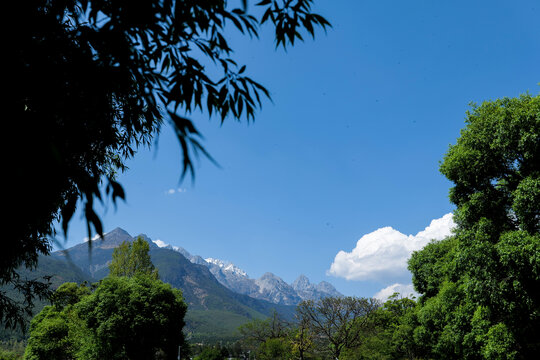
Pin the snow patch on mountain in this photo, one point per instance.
(164, 245)
(227, 266)
(268, 287)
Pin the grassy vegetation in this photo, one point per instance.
(211, 326)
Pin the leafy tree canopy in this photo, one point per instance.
(132, 259)
(134, 317)
(481, 287)
(124, 318)
(210, 353)
(338, 321)
(389, 334)
(259, 330)
(95, 80)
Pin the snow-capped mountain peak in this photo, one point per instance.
(227, 266)
(268, 287)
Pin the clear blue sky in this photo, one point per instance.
(352, 142)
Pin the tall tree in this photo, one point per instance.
(301, 338)
(57, 332)
(95, 80)
(390, 333)
(132, 258)
(124, 318)
(258, 330)
(338, 320)
(134, 317)
(481, 288)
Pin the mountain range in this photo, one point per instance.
(268, 287)
(220, 296)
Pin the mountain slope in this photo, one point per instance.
(309, 291)
(60, 272)
(203, 293)
(268, 287)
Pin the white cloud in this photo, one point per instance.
(175, 191)
(383, 253)
(402, 289)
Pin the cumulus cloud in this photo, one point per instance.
(404, 291)
(384, 252)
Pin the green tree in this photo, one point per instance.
(134, 317)
(129, 315)
(124, 318)
(69, 294)
(258, 331)
(132, 259)
(389, 335)
(9, 355)
(96, 80)
(338, 321)
(12, 349)
(210, 353)
(301, 338)
(481, 287)
(57, 332)
(271, 338)
(275, 349)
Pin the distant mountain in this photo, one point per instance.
(268, 287)
(227, 267)
(230, 276)
(276, 290)
(60, 272)
(220, 295)
(214, 310)
(308, 291)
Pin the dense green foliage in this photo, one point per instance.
(270, 338)
(134, 317)
(212, 353)
(329, 328)
(96, 80)
(12, 350)
(338, 323)
(123, 318)
(212, 326)
(57, 332)
(131, 259)
(219, 350)
(388, 335)
(481, 287)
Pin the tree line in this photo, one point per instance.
(334, 328)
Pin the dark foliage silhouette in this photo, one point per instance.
(96, 80)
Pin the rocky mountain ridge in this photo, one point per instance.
(268, 287)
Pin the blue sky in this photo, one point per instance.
(350, 145)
